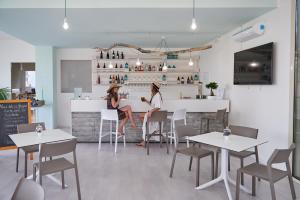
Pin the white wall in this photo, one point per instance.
(13, 50)
(264, 107)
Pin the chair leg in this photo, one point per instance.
(116, 141)
(217, 164)
(18, 155)
(62, 179)
(167, 143)
(198, 172)
(212, 166)
(292, 186)
(160, 141)
(272, 191)
(100, 135)
(257, 158)
(228, 162)
(25, 167)
(148, 139)
(173, 164)
(34, 173)
(242, 174)
(238, 180)
(77, 182)
(253, 185)
(191, 162)
(40, 177)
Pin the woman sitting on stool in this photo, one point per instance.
(155, 103)
(113, 101)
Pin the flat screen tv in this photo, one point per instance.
(254, 66)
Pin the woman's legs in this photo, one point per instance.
(121, 125)
(142, 118)
(128, 111)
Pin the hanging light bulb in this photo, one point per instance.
(165, 67)
(138, 62)
(65, 24)
(191, 63)
(194, 24)
(110, 66)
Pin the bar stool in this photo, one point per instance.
(110, 115)
(178, 115)
(219, 118)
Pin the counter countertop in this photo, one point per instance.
(191, 105)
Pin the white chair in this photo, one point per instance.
(110, 115)
(177, 115)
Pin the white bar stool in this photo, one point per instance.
(110, 115)
(177, 115)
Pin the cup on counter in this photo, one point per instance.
(143, 99)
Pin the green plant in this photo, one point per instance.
(212, 86)
(4, 93)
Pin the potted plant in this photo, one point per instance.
(4, 93)
(212, 86)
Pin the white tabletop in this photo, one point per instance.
(32, 138)
(233, 142)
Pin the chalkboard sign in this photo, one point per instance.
(12, 113)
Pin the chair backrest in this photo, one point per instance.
(281, 155)
(109, 114)
(221, 115)
(244, 131)
(185, 131)
(158, 116)
(25, 128)
(179, 114)
(57, 148)
(28, 190)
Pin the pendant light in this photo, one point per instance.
(110, 66)
(194, 24)
(138, 62)
(191, 63)
(165, 67)
(65, 24)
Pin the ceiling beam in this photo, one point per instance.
(138, 3)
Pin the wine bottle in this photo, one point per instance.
(122, 55)
(188, 80)
(126, 64)
(182, 80)
(104, 66)
(178, 80)
(116, 66)
(110, 79)
(122, 80)
(118, 56)
(107, 55)
(125, 77)
(121, 66)
(160, 68)
(192, 80)
(101, 55)
(113, 55)
(98, 65)
(98, 80)
(118, 79)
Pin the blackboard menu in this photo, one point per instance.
(12, 113)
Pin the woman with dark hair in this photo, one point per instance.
(155, 103)
(113, 101)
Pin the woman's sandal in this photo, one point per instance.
(141, 144)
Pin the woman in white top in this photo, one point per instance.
(156, 104)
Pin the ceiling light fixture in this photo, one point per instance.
(65, 24)
(194, 24)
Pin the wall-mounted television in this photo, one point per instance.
(254, 66)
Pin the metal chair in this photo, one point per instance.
(28, 190)
(112, 116)
(244, 132)
(156, 117)
(25, 128)
(57, 164)
(193, 151)
(219, 118)
(268, 173)
(178, 115)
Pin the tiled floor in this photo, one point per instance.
(131, 175)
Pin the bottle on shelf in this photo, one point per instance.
(116, 66)
(118, 79)
(188, 80)
(192, 80)
(118, 55)
(160, 68)
(101, 55)
(113, 55)
(121, 66)
(98, 80)
(122, 80)
(110, 79)
(164, 77)
(104, 66)
(149, 68)
(196, 77)
(98, 65)
(122, 55)
(125, 77)
(142, 67)
(126, 64)
(153, 68)
(174, 67)
(182, 80)
(178, 80)
(107, 55)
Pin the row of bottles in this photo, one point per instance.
(118, 79)
(188, 80)
(113, 55)
(116, 66)
(140, 68)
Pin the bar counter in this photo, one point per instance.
(86, 116)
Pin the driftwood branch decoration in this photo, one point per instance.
(152, 51)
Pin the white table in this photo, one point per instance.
(32, 138)
(232, 142)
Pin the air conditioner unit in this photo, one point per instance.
(249, 33)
